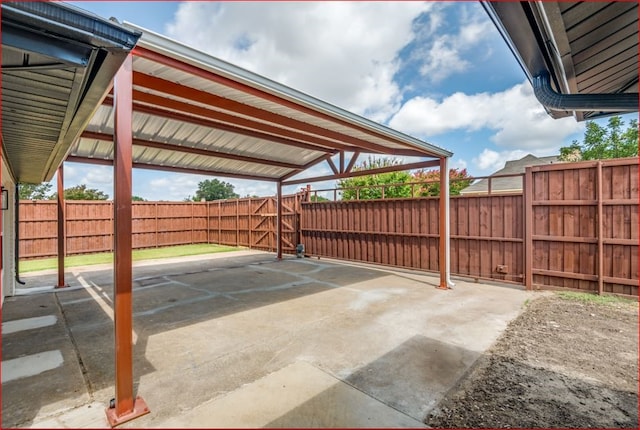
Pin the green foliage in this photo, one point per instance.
(601, 143)
(370, 186)
(213, 189)
(81, 192)
(458, 180)
(367, 188)
(137, 199)
(34, 191)
(315, 198)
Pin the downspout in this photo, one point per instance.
(606, 102)
(447, 229)
(16, 254)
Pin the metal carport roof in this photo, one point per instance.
(178, 109)
(195, 113)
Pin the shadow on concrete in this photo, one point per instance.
(410, 379)
(428, 381)
(165, 298)
(59, 385)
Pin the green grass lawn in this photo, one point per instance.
(139, 254)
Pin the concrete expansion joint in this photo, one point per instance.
(76, 350)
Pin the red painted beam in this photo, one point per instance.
(190, 150)
(189, 109)
(196, 71)
(221, 126)
(411, 166)
(218, 102)
(146, 166)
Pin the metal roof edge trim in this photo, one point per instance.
(179, 51)
(514, 47)
(70, 21)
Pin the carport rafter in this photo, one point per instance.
(309, 131)
(244, 123)
(177, 169)
(181, 117)
(191, 150)
(351, 174)
(162, 59)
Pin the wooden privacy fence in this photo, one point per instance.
(574, 227)
(89, 225)
(582, 221)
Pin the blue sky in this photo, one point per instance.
(438, 71)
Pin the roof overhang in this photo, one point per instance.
(195, 113)
(581, 57)
(58, 64)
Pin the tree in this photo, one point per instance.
(81, 192)
(370, 186)
(137, 199)
(458, 180)
(314, 198)
(34, 191)
(213, 189)
(600, 142)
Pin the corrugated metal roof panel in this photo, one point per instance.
(55, 69)
(154, 69)
(167, 47)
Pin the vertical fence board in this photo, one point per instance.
(487, 231)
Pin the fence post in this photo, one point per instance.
(600, 229)
(249, 224)
(237, 223)
(528, 228)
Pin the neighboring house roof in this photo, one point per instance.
(512, 184)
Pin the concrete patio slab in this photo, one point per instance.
(209, 333)
(300, 396)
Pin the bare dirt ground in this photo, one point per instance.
(562, 363)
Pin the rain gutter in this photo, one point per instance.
(605, 102)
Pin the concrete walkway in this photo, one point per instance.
(243, 340)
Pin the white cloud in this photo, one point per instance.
(516, 116)
(342, 52)
(489, 160)
(443, 55)
(91, 175)
(458, 163)
(171, 187)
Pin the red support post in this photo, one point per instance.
(62, 236)
(279, 226)
(445, 282)
(126, 407)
